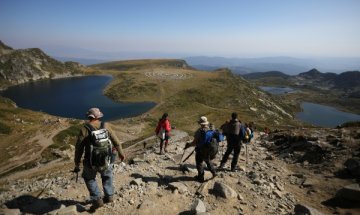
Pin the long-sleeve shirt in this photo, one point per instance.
(164, 124)
(83, 142)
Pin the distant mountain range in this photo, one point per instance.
(346, 81)
(287, 65)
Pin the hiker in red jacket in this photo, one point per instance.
(163, 131)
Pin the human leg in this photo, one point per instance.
(89, 176)
(107, 182)
(211, 167)
(199, 166)
(161, 145)
(229, 149)
(237, 148)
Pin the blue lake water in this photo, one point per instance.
(325, 116)
(277, 90)
(72, 97)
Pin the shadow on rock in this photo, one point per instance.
(162, 179)
(341, 203)
(186, 213)
(30, 204)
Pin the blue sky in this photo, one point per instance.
(239, 28)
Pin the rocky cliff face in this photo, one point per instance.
(23, 65)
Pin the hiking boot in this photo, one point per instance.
(233, 169)
(221, 167)
(200, 178)
(108, 199)
(98, 203)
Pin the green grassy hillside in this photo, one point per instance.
(214, 94)
(141, 64)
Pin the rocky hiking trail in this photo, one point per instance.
(288, 172)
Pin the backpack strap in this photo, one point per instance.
(89, 127)
(102, 125)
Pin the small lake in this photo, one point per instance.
(277, 90)
(72, 97)
(325, 116)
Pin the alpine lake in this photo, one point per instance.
(72, 97)
(316, 114)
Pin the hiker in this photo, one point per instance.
(163, 131)
(249, 132)
(99, 142)
(200, 154)
(233, 130)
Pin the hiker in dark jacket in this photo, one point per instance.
(89, 174)
(199, 156)
(163, 131)
(232, 129)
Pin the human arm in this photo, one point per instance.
(79, 149)
(116, 142)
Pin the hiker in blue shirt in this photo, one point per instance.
(201, 155)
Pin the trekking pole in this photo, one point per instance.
(188, 156)
(77, 177)
(246, 152)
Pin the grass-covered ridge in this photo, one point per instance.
(141, 64)
(214, 94)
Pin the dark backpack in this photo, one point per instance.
(100, 147)
(209, 143)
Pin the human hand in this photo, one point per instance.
(121, 157)
(76, 169)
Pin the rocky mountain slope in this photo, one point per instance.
(346, 81)
(288, 172)
(23, 65)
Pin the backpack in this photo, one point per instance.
(209, 144)
(248, 135)
(100, 147)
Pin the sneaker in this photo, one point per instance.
(108, 199)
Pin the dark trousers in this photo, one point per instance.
(233, 144)
(199, 158)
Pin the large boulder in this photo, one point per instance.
(353, 166)
(349, 192)
(224, 190)
(306, 210)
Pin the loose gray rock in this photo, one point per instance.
(306, 210)
(198, 207)
(350, 192)
(10, 211)
(137, 182)
(147, 205)
(70, 210)
(224, 190)
(182, 188)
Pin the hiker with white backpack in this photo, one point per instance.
(99, 143)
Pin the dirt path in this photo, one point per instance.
(38, 143)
